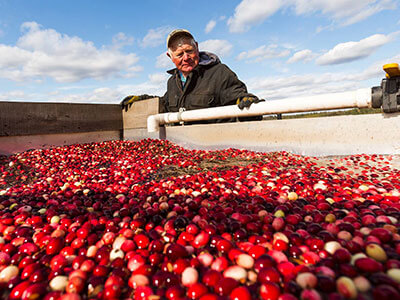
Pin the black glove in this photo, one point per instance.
(128, 100)
(246, 101)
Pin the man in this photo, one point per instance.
(200, 80)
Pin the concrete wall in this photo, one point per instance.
(136, 116)
(338, 135)
(39, 125)
(135, 120)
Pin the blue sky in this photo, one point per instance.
(100, 51)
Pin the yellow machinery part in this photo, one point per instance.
(392, 70)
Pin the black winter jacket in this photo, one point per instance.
(210, 84)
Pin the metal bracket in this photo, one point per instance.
(387, 96)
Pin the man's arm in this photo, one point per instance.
(234, 91)
(231, 87)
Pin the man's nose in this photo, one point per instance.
(186, 55)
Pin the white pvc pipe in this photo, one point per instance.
(359, 98)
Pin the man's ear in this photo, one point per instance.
(168, 54)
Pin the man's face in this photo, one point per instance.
(184, 54)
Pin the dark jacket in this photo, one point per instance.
(210, 84)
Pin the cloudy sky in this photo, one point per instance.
(100, 51)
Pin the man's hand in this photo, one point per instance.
(128, 100)
(246, 101)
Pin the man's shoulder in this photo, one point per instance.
(219, 67)
(172, 74)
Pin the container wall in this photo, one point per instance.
(23, 118)
(13, 144)
(135, 120)
(26, 125)
(338, 135)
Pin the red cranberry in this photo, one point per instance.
(264, 261)
(240, 293)
(175, 292)
(268, 274)
(225, 286)
(385, 292)
(269, 291)
(196, 290)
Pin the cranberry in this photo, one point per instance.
(225, 286)
(342, 255)
(268, 274)
(240, 293)
(211, 278)
(54, 246)
(196, 290)
(38, 276)
(269, 291)
(385, 292)
(382, 234)
(175, 251)
(142, 241)
(17, 291)
(264, 261)
(175, 292)
(368, 265)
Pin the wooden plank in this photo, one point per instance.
(23, 118)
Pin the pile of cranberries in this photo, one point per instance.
(106, 221)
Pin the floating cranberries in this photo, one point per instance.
(151, 220)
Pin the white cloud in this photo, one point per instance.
(320, 28)
(251, 12)
(350, 51)
(303, 55)
(158, 78)
(121, 39)
(299, 85)
(164, 62)
(41, 53)
(210, 26)
(13, 95)
(346, 12)
(277, 87)
(155, 85)
(98, 95)
(219, 47)
(155, 37)
(264, 52)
